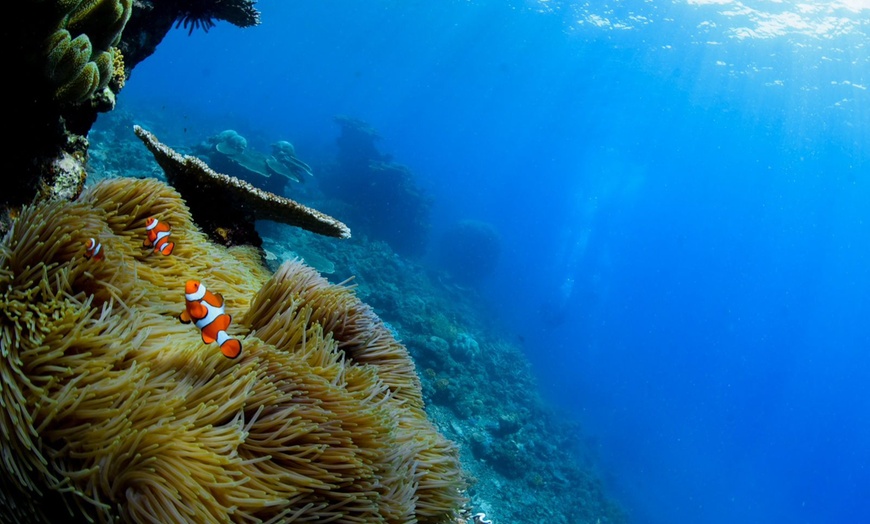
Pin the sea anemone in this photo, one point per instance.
(112, 410)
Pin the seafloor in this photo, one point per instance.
(525, 462)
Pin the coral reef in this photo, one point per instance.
(226, 207)
(469, 250)
(525, 462)
(115, 411)
(381, 197)
(285, 162)
(116, 152)
(356, 144)
(195, 14)
(228, 152)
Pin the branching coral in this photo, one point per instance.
(115, 407)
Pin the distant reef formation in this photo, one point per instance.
(228, 152)
(116, 411)
(380, 198)
(68, 59)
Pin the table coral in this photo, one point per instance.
(223, 203)
(114, 411)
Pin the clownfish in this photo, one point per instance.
(94, 250)
(206, 310)
(158, 236)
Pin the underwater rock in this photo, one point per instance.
(508, 424)
(469, 250)
(437, 347)
(152, 19)
(464, 347)
(115, 411)
(226, 207)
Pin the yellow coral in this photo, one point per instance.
(113, 405)
(119, 73)
(106, 66)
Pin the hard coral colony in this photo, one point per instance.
(113, 412)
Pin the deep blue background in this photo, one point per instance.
(684, 215)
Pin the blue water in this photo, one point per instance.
(683, 195)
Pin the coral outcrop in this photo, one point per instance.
(227, 207)
(381, 198)
(64, 67)
(67, 61)
(114, 411)
(153, 19)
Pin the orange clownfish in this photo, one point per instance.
(94, 250)
(206, 309)
(158, 236)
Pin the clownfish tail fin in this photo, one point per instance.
(167, 248)
(231, 348)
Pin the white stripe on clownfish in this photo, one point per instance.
(196, 295)
(94, 249)
(222, 337)
(213, 313)
(161, 235)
